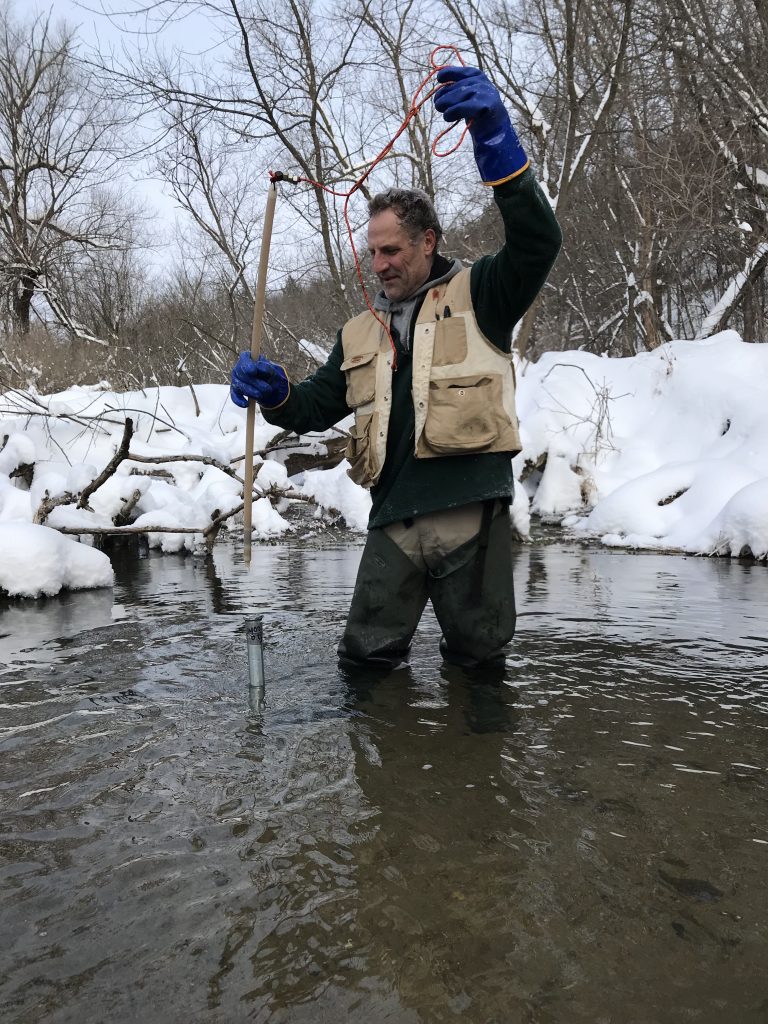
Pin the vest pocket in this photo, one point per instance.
(450, 341)
(360, 372)
(360, 452)
(461, 415)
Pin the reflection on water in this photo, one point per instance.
(583, 839)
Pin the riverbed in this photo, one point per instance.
(582, 839)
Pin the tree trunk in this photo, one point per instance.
(630, 324)
(22, 303)
(652, 326)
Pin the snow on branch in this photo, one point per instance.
(717, 318)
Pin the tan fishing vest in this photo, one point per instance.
(463, 386)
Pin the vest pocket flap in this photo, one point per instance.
(362, 359)
(360, 371)
(461, 415)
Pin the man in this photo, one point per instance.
(435, 426)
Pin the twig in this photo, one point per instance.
(152, 415)
(194, 398)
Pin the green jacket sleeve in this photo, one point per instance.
(503, 286)
(317, 402)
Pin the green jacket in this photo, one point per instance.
(502, 286)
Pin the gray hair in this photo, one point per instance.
(412, 207)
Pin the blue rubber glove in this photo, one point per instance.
(265, 382)
(471, 95)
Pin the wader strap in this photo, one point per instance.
(482, 545)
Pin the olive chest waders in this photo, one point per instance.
(470, 587)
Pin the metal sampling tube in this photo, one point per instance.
(254, 635)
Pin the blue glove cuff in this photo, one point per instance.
(501, 157)
(281, 393)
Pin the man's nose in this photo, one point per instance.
(380, 263)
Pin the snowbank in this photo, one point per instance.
(332, 488)
(668, 449)
(51, 447)
(36, 561)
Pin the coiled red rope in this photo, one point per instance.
(417, 102)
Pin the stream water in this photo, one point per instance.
(583, 840)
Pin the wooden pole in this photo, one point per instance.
(257, 332)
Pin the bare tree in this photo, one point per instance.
(213, 182)
(58, 152)
(108, 290)
(721, 53)
(284, 83)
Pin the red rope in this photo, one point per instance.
(417, 102)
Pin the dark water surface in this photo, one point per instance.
(585, 842)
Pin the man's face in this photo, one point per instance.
(401, 264)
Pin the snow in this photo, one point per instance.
(665, 450)
(317, 352)
(271, 474)
(38, 561)
(332, 488)
(737, 527)
(267, 522)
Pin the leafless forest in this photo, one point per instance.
(646, 121)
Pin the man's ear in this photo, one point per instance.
(430, 240)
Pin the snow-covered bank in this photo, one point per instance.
(668, 449)
(184, 471)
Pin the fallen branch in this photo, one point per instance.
(109, 470)
(122, 526)
(153, 474)
(114, 531)
(48, 504)
(210, 531)
(207, 460)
